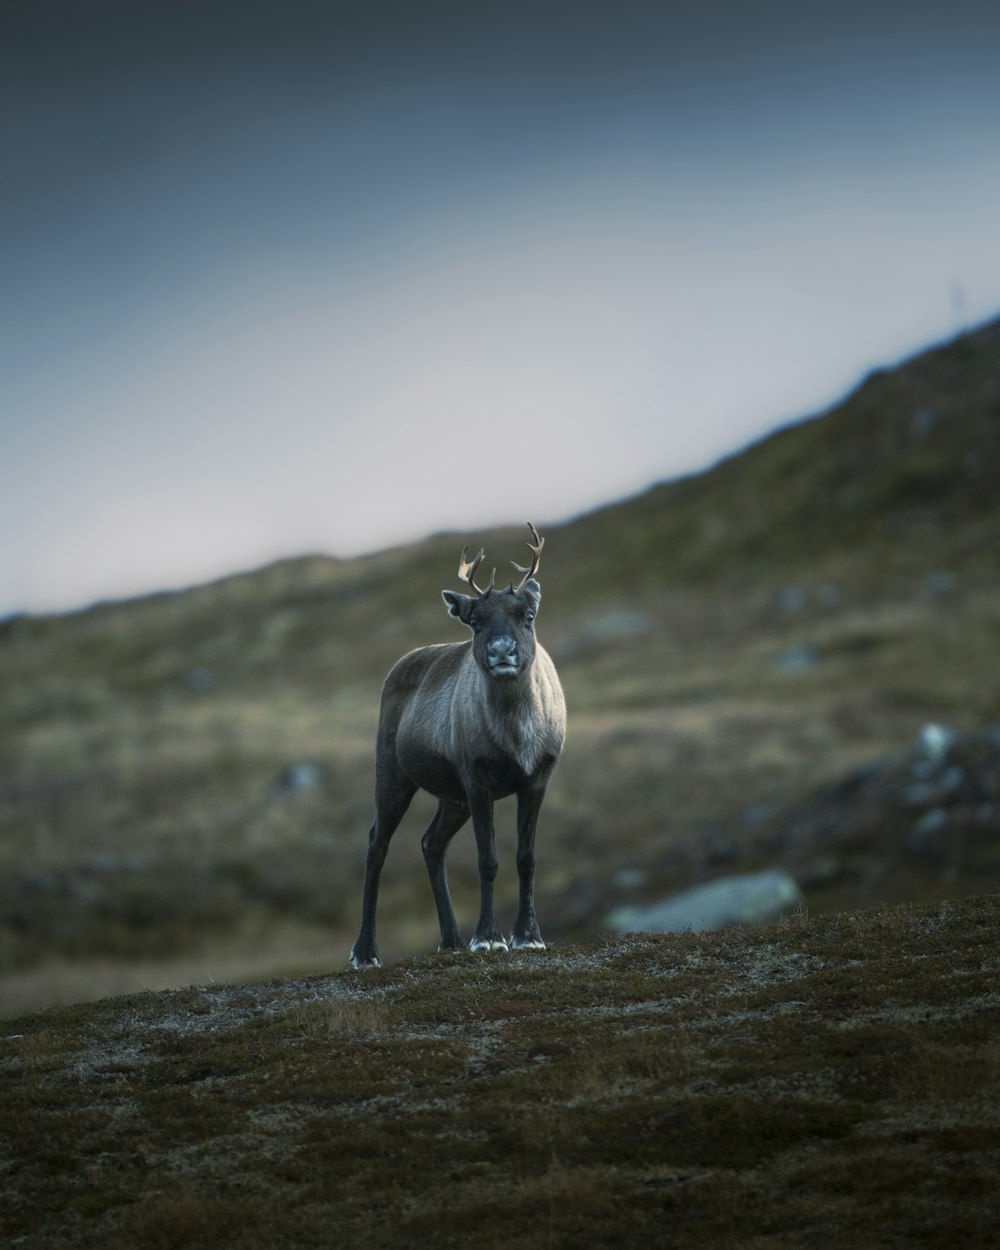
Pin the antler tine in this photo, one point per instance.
(536, 555)
(467, 570)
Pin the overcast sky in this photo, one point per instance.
(290, 277)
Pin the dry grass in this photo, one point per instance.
(742, 1089)
(355, 1018)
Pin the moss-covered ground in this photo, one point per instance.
(825, 1082)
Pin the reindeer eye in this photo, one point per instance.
(529, 616)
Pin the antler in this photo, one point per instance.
(536, 555)
(467, 571)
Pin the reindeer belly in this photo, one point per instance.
(437, 775)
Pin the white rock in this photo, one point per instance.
(745, 899)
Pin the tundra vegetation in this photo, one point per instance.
(828, 1082)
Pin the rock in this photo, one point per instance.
(973, 464)
(792, 598)
(619, 624)
(923, 838)
(746, 899)
(919, 794)
(201, 679)
(630, 878)
(759, 814)
(941, 582)
(304, 775)
(934, 742)
(607, 627)
(108, 862)
(922, 422)
(922, 793)
(829, 596)
(797, 659)
(952, 779)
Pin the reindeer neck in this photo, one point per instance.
(510, 697)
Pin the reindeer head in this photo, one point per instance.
(503, 636)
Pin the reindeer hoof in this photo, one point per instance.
(526, 944)
(487, 944)
(360, 963)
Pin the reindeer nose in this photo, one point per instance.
(501, 652)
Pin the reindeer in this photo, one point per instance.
(469, 722)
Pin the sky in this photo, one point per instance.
(299, 277)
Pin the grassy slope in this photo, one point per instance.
(903, 473)
(143, 745)
(826, 1082)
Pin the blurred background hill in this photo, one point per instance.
(752, 657)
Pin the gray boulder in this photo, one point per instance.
(749, 898)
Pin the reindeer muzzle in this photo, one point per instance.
(502, 658)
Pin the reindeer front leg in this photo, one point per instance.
(487, 936)
(526, 932)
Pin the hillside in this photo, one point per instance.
(185, 779)
(830, 1082)
(903, 473)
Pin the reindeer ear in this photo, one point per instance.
(458, 605)
(533, 591)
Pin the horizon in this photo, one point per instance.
(318, 280)
(471, 533)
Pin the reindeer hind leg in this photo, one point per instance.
(393, 792)
(448, 819)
